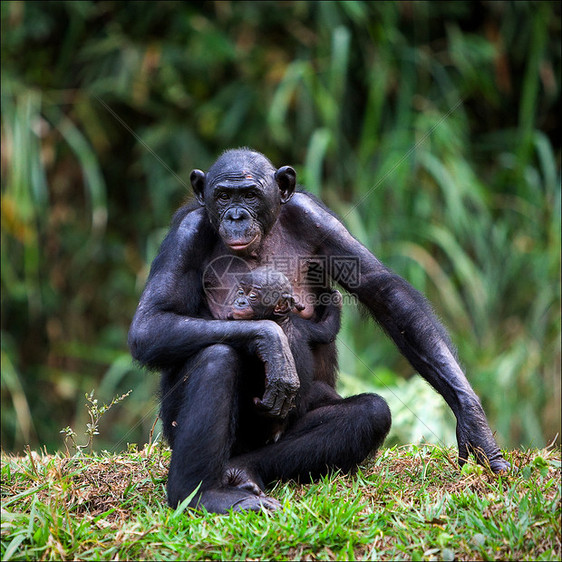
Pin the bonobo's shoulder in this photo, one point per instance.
(307, 205)
(189, 235)
(319, 223)
(189, 220)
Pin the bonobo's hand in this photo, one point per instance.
(337, 299)
(474, 436)
(281, 379)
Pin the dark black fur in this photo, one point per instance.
(212, 368)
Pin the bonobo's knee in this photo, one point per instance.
(212, 373)
(217, 359)
(219, 353)
(376, 416)
(381, 412)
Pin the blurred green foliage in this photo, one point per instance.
(432, 128)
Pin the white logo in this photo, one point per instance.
(220, 278)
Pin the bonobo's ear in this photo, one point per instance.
(197, 178)
(286, 179)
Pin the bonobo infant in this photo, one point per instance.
(266, 294)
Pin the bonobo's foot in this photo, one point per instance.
(482, 445)
(221, 500)
(243, 478)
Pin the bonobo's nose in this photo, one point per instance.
(236, 214)
(241, 302)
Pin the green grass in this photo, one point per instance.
(410, 503)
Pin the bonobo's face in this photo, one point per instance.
(247, 304)
(243, 194)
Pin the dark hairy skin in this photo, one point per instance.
(247, 214)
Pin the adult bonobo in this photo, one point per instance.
(246, 215)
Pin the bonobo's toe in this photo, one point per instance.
(257, 503)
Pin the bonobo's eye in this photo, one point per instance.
(223, 196)
(250, 196)
(253, 295)
(240, 292)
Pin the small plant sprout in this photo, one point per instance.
(95, 412)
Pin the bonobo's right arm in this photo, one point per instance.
(166, 329)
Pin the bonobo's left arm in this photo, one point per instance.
(408, 319)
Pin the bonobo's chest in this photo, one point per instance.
(281, 251)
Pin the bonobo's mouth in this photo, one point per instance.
(238, 246)
(240, 315)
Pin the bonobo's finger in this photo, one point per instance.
(463, 454)
(277, 399)
(269, 406)
(288, 405)
(286, 408)
(493, 459)
(268, 400)
(501, 467)
(275, 405)
(489, 456)
(462, 445)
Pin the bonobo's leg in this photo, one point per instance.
(171, 398)
(204, 434)
(339, 435)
